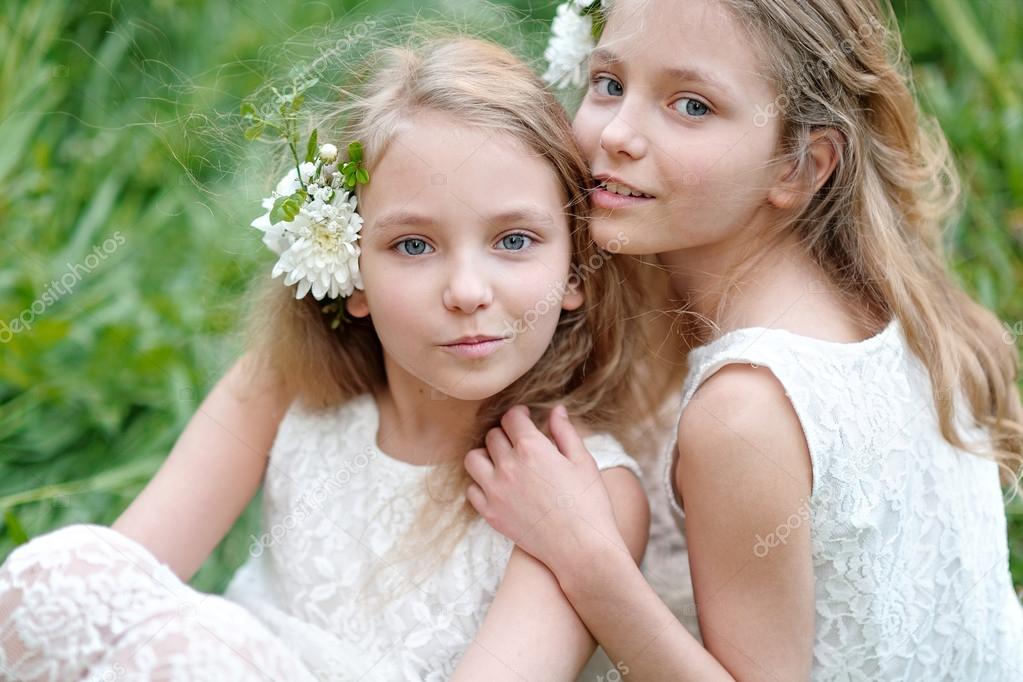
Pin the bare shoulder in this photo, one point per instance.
(743, 470)
(739, 422)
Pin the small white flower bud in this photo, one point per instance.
(328, 153)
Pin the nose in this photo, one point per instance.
(467, 289)
(620, 137)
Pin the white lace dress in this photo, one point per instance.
(324, 595)
(909, 543)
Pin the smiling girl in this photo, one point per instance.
(372, 566)
(847, 408)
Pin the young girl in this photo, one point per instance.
(371, 566)
(847, 408)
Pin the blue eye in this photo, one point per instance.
(613, 89)
(413, 247)
(515, 242)
(693, 107)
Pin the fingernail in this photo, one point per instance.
(561, 411)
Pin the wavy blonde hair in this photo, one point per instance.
(587, 366)
(876, 225)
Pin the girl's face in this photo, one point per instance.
(676, 111)
(465, 253)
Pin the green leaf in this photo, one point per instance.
(277, 212)
(248, 110)
(348, 177)
(310, 149)
(297, 102)
(291, 209)
(362, 176)
(355, 152)
(254, 132)
(14, 527)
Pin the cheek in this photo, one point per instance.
(393, 305)
(587, 127)
(533, 300)
(718, 173)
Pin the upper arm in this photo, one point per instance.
(212, 472)
(531, 630)
(745, 474)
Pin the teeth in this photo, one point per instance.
(615, 188)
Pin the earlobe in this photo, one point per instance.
(573, 299)
(356, 305)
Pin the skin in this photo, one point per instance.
(743, 467)
(441, 259)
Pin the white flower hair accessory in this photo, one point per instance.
(573, 37)
(311, 220)
(312, 224)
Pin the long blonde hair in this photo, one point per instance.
(876, 225)
(587, 366)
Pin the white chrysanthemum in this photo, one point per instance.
(318, 249)
(570, 45)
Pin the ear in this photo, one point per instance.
(357, 305)
(824, 148)
(573, 298)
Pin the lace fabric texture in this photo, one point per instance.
(326, 593)
(87, 603)
(909, 544)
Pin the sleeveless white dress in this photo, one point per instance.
(910, 554)
(324, 595)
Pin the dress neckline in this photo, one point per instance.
(368, 404)
(751, 335)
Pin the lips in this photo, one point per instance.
(474, 347)
(466, 340)
(615, 185)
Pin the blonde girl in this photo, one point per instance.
(371, 565)
(847, 408)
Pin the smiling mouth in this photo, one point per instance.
(613, 185)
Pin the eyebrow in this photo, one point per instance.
(406, 218)
(684, 73)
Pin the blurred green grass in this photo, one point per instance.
(114, 143)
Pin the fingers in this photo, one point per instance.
(498, 445)
(476, 497)
(479, 466)
(517, 424)
(565, 435)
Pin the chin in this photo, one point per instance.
(618, 234)
(468, 390)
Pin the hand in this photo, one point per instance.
(549, 498)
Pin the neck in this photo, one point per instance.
(420, 425)
(780, 288)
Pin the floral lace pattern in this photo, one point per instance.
(87, 603)
(335, 507)
(325, 594)
(909, 543)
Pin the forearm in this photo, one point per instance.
(637, 630)
(530, 632)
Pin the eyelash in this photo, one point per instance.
(598, 78)
(530, 238)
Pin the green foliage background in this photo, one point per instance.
(117, 121)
